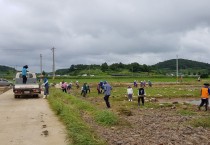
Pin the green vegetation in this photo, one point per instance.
(74, 112)
(186, 112)
(202, 121)
(6, 71)
(106, 118)
(80, 113)
(186, 68)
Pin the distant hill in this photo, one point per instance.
(188, 67)
(6, 70)
(184, 65)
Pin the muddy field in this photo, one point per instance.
(149, 126)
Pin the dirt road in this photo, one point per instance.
(29, 121)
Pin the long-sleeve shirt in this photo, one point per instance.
(24, 71)
(107, 89)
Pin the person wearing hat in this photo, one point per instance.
(24, 73)
(46, 87)
(205, 92)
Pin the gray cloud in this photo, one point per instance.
(93, 32)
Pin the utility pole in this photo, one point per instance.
(53, 50)
(41, 63)
(177, 67)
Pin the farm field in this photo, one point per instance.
(166, 118)
(154, 79)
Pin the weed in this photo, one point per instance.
(186, 112)
(203, 122)
(106, 118)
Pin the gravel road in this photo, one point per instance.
(29, 121)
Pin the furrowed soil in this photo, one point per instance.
(29, 121)
(148, 126)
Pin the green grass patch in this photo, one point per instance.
(78, 130)
(106, 118)
(186, 112)
(72, 109)
(201, 122)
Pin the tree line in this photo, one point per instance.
(186, 67)
(105, 68)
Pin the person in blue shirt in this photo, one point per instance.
(46, 86)
(107, 93)
(24, 73)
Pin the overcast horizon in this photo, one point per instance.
(95, 31)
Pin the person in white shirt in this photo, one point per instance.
(130, 93)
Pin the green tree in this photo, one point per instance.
(43, 73)
(134, 67)
(104, 67)
(72, 68)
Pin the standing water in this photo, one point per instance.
(194, 102)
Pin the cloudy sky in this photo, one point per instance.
(98, 31)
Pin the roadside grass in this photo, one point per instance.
(71, 110)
